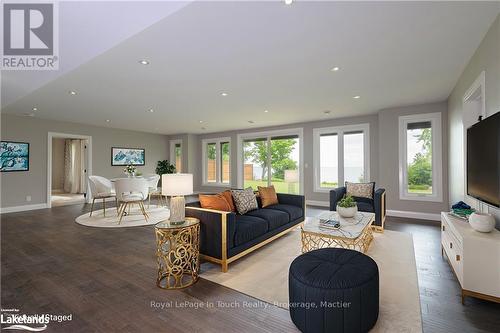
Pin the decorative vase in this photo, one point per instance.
(347, 211)
(482, 222)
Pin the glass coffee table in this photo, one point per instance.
(354, 233)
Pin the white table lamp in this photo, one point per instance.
(177, 185)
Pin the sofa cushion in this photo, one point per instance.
(363, 190)
(229, 198)
(249, 228)
(268, 195)
(294, 212)
(275, 218)
(244, 200)
(364, 206)
(214, 201)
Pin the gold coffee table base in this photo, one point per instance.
(177, 253)
(313, 241)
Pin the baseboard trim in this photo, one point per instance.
(414, 215)
(318, 203)
(23, 208)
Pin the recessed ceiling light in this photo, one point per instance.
(288, 2)
(266, 111)
(334, 69)
(201, 121)
(251, 121)
(151, 110)
(223, 94)
(72, 92)
(35, 108)
(107, 120)
(356, 97)
(327, 112)
(144, 62)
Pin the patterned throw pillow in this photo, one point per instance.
(244, 200)
(268, 196)
(360, 190)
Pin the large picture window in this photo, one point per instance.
(217, 161)
(420, 157)
(272, 158)
(340, 154)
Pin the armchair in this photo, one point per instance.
(375, 205)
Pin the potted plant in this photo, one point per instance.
(130, 170)
(347, 207)
(164, 167)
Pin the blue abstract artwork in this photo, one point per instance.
(126, 156)
(14, 156)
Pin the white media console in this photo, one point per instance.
(474, 257)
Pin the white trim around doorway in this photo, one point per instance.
(52, 135)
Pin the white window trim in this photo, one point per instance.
(339, 130)
(266, 134)
(172, 152)
(437, 164)
(217, 142)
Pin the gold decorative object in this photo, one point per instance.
(313, 237)
(177, 253)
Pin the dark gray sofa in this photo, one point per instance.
(227, 236)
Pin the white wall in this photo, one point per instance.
(15, 186)
(487, 59)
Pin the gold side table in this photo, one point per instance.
(178, 253)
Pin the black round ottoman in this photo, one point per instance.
(333, 290)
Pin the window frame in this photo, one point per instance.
(339, 130)
(299, 132)
(218, 160)
(437, 160)
(173, 159)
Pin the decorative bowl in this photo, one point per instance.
(482, 222)
(347, 211)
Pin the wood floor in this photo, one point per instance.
(105, 279)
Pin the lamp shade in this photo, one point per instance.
(291, 176)
(177, 184)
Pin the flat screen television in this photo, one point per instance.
(483, 160)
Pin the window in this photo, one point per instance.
(420, 157)
(176, 154)
(271, 158)
(340, 154)
(217, 161)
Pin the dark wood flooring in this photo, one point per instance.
(105, 278)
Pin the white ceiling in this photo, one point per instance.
(266, 56)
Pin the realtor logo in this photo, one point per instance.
(30, 40)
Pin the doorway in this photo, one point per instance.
(68, 164)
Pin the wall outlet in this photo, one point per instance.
(28, 198)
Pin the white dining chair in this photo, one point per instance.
(154, 190)
(131, 191)
(101, 188)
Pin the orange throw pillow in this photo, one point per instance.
(229, 198)
(214, 201)
(268, 196)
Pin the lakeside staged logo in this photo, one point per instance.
(30, 36)
(12, 319)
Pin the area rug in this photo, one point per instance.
(264, 275)
(134, 219)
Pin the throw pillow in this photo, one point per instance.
(229, 198)
(214, 201)
(268, 196)
(360, 190)
(244, 200)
